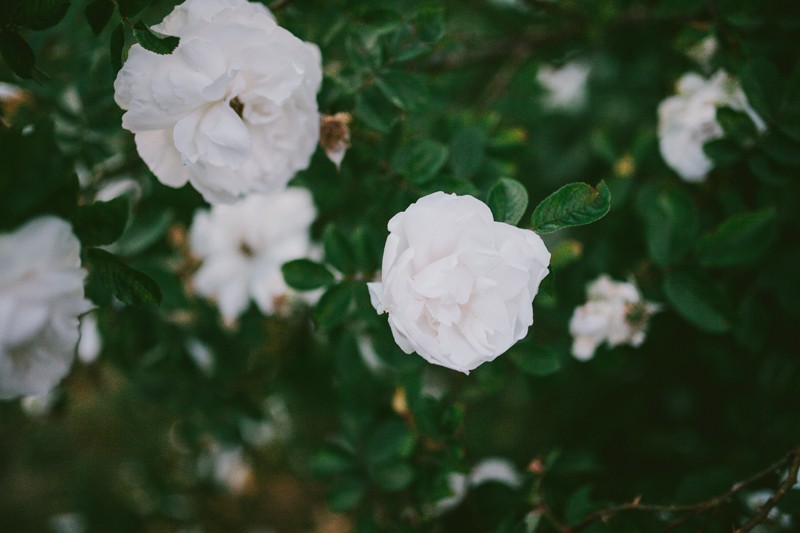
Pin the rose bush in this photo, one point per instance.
(232, 110)
(458, 286)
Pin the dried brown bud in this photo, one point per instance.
(334, 136)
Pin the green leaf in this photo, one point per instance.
(346, 494)
(508, 200)
(782, 149)
(763, 86)
(428, 24)
(116, 44)
(405, 90)
(131, 8)
(740, 239)
(17, 54)
(126, 284)
(374, 110)
(101, 222)
(419, 161)
(338, 250)
(537, 360)
(306, 275)
(43, 14)
(768, 171)
(332, 309)
(724, 152)
(697, 301)
(332, 460)
(98, 13)
(152, 42)
(736, 125)
(393, 477)
(389, 442)
(574, 204)
(467, 152)
(671, 223)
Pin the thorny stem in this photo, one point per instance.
(792, 458)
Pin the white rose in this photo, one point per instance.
(243, 246)
(688, 120)
(232, 110)
(615, 313)
(565, 86)
(457, 285)
(41, 296)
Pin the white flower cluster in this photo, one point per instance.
(615, 313)
(232, 110)
(243, 246)
(688, 120)
(565, 86)
(457, 285)
(41, 297)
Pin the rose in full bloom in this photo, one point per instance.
(242, 247)
(232, 110)
(615, 313)
(41, 297)
(565, 86)
(457, 285)
(688, 120)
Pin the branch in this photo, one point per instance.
(792, 458)
(763, 511)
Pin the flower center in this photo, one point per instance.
(246, 250)
(237, 106)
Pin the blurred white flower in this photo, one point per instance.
(458, 484)
(232, 110)
(775, 518)
(492, 469)
(457, 285)
(243, 246)
(688, 120)
(227, 467)
(41, 297)
(39, 404)
(495, 469)
(615, 313)
(565, 86)
(703, 51)
(90, 343)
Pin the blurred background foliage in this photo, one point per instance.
(315, 420)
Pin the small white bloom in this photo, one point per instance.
(227, 466)
(38, 405)
(41, 297)
(457, 285)
(688, 120)
(232, 110)
(775, 518)
(458, 484)
(703, 51)
(565, 86)
(495, 469)
(243, 246)
(615, 313)
(90, 343)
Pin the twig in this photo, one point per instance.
(792, 458)
(763, 511)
